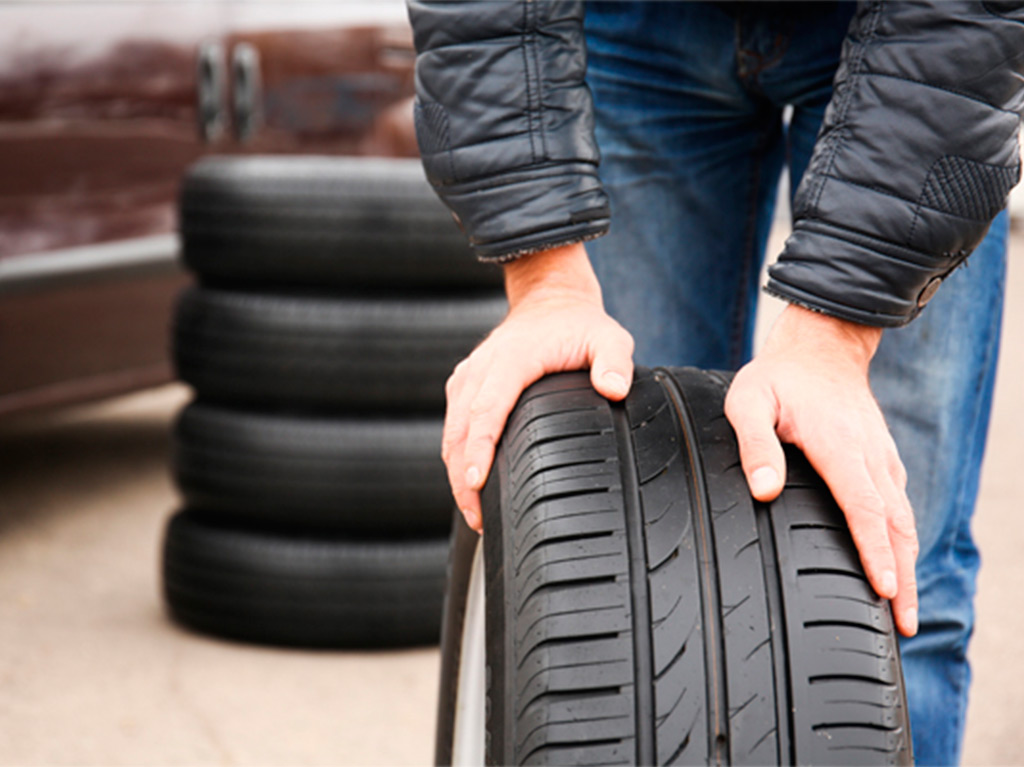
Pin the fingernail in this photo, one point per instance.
(616, 383)
(888, 584)
(471, 518)
(910, 619)
(764, 480)
(472, 476)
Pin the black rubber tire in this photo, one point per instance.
(327, 353)
(363, 475)
(643, 609)
(262, 586)
(323, 222)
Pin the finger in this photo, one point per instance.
(753, 413)
(897, 472)
(497, 395)
(903, 541)
(611, 364)
(456, 418)
(460, 391)
(903, 535)
(466, 499)
(890, 478)
(864, 507)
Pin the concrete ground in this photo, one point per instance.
(93, 673)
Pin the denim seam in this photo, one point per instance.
(763, 62)
(740, 315)
(952, 527)
(990, 348)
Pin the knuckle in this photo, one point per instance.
(866, 505)
(482, 409)
(842, 434)
(458, 491)
(482, 441)
(757, 443)
(461, 368)
(912, 547)
(903, 526)
(880, 552)
(742, 399)
(736, 402)
(899, 474)
(626, 339)
(448, 451)
(455, 380)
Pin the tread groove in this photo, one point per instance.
(643, 660)
(819, 678)
(718, 736)
(782, 673)
(832, 571)
(563, 586)
(845, 624)
(685, 742)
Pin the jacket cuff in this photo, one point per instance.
(519, 213)
(857, 277)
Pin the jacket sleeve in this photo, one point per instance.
(917, 154)
(504, 120)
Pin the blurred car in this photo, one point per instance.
(103, 105)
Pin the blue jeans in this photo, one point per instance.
(689, 99)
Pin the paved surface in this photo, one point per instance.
(91, 671)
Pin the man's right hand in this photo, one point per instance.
(556, 323)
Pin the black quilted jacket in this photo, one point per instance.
(918, 150)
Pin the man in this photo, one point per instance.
(902, 145)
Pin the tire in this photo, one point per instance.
(641, 608)
(327, 353)
(363, 475)
(261, 586)
(323, 222)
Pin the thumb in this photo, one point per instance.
(611, 369)
(753, 413)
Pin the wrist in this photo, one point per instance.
(822, 333)
(557, 272)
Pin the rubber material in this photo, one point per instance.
(643, 609)
(323, 222)
(366, 475)
(460, 564)
(308, 591)
(327, 353)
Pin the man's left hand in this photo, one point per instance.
(809, 386)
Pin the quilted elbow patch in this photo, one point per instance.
(432, 132)
(967, 188)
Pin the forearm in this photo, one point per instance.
(916, 155)
(505, 123)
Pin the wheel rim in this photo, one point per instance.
(468, 741)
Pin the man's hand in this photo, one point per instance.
(809, 387)
(556, 322)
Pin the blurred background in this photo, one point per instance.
(171, 563)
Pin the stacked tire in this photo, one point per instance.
(334, 296)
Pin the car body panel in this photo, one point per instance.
(104, 105)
